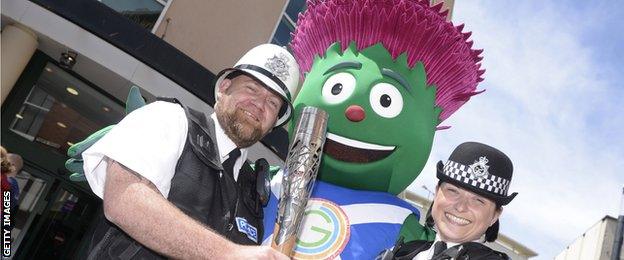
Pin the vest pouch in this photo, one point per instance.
(253, 204)
(250, 196)
(253, 214)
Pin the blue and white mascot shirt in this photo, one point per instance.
(342, 223)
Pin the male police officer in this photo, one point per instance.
(176, 184)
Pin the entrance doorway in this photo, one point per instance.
(52, 219)
(49, 109)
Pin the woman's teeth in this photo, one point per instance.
(457, 220)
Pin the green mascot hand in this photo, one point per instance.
(74, 164)
(273, 169)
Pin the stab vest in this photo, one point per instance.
(203, 191)
(463, 251)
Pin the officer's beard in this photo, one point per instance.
(243, 131)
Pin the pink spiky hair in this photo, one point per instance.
(410, 26)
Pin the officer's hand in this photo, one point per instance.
(257, 252)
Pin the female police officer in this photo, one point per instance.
(471, 191)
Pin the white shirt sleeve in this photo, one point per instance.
(149, 141)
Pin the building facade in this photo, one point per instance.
(595, 243)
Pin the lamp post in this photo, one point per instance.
(430, 193)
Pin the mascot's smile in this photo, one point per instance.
(349, 150)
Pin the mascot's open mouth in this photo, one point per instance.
(349, 150)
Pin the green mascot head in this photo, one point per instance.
(387, 72)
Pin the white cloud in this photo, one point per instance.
(547, 108)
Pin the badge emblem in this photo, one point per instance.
(279, 66)
(480, 167)
(247, 229)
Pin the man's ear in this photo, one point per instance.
(223, 86)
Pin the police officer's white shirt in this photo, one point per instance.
(226, 145)
(149, 141)
(428, 254)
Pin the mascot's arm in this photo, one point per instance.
(413, 230)
(74, 164)
(273, 169)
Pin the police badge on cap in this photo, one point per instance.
(481, 169)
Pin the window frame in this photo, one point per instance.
(161, 17)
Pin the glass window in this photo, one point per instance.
(30, 192)
(61, 110)
(63, 225)
(293, 9)
(287, 22)
(282, 34)
(142, 12)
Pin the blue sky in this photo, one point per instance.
(553, 103)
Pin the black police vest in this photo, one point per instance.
(203, 191)
(463, 251)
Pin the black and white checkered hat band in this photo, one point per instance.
(464, 173)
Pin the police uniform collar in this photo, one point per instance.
(427, 254)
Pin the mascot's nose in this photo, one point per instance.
(355, 113)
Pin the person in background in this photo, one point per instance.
(7, 167)
(11, 165)
(17, 162)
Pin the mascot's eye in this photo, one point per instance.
(338, 87)
(386, 100)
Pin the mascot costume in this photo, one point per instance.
(387, 72)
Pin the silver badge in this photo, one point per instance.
(480, 167)
(279, 66)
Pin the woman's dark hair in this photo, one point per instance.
(490, 234)
(429, 222)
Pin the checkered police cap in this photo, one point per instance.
(481, 169)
